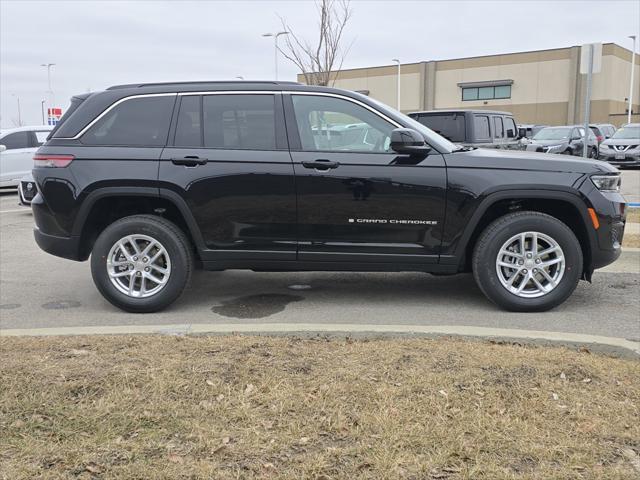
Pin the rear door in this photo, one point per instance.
(358, 201)
(229, 162)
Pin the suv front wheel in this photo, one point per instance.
(527, 262)
(141, 263)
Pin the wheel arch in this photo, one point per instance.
(106, 205)
(565, 206)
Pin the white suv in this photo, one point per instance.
(17, 146)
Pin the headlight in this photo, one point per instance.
(604, 145)
(606, 183)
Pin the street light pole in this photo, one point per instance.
(398, 81)
(49, 91)
(42, 110)
(633, 65)
(19, 112)
(275, 44)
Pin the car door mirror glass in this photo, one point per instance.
(3, 148)
(510, 133)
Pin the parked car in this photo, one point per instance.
(602, 131)
(567, 140)
(154, 180)
(26, 190)
(17, 146)
(473, 128)
(623, 148)
(526, 133)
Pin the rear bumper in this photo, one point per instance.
(65, 247)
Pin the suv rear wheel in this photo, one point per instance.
(527, 262)
(141, 263)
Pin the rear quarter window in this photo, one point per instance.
(136, 122)
(450, 126)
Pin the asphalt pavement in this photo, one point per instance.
(39, 291)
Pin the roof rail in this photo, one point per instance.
(205, 82)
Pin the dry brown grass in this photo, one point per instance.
(255, 407)
(633, 215)
(631, 240)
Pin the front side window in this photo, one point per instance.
(16, 140)
(510, 127)
(481, 124)
(137, 122)
(333, 124)
(242, 122)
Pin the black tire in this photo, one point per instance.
(500, 231)
(172, 239)
(593, 153)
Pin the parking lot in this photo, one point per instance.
(41, 291)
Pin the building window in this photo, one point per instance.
(486, 93)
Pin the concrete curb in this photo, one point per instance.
(596, 342)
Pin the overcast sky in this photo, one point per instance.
(95, 44)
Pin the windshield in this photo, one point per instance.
(432, 137)
(629, 132)
(553, 134)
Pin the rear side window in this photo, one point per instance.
(481, 127)
(41, 137)
(16, 140)
(188, 127)
(242, 122)
(138, 122)
(498, 130)
(450, 126)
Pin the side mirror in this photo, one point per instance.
(522, 132)
(407, 140)
(3, 148)
(511, 133)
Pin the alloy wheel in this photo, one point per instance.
(530, 264)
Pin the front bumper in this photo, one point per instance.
(628, 160)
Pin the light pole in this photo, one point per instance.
(275, 44)
(19, 113)
(398, 81)
(49, 92)
(42, 109)
(633, 65)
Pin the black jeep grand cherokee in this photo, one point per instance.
(153, 180)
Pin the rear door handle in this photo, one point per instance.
(320, 164)
(189, 161)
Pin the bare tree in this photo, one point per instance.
(317, 61)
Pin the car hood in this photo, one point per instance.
(622, 141)
(519, 160)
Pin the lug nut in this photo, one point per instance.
(135, 259)
(146, 269)
(525, 271)
(145, 259)
(538, 260)
(520, 262)
(535, 270)
(529, 255)
(138, 274)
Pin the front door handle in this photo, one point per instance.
(320, 164)
(189, 161)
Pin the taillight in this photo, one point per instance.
(51, 160)
(600, 138)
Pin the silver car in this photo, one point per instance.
(623, 148)
(17, 146)
(567, 140)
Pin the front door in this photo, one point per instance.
(229, 162)
(358, 200)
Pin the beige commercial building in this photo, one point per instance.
(543, 86)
